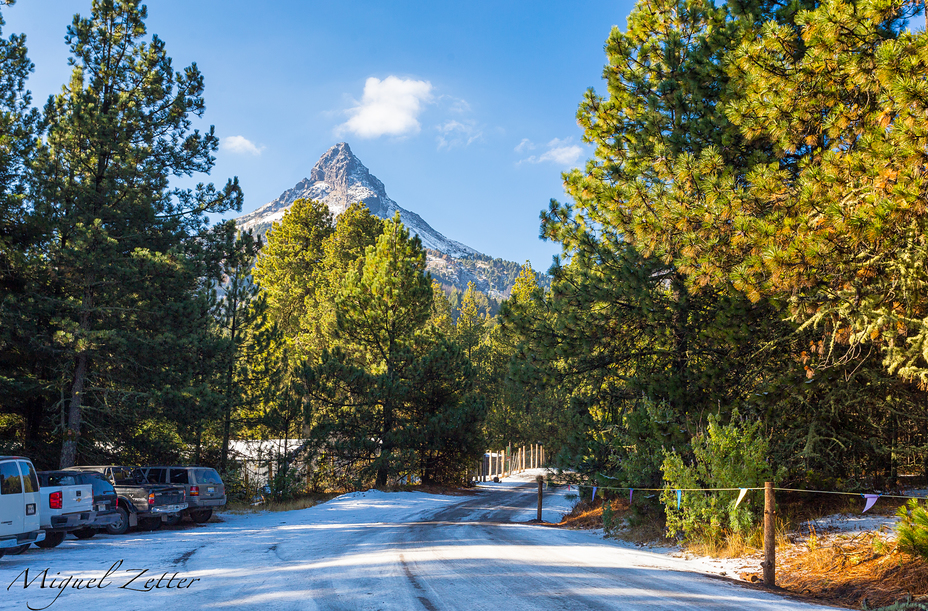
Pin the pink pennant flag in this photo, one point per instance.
(871, 501)
(740, 496)
(594, 494)
(630, 491)
(568, 487)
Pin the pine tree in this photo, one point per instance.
(290, 263)
(359, 388)
(378, 313)
(242, 320)
(121, 271)
(23, 387)
(470, 326)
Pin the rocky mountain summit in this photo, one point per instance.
(339, 179)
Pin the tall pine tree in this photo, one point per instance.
(121, 273)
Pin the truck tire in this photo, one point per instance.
(120, 527)
(52, 539)
(150, 523)
(15, 551)
(84, 533)
(201, 515)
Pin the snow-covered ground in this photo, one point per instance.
(373, 550)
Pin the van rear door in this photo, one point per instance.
(31, 496)
(12, 501)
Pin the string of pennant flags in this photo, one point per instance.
(870, 499)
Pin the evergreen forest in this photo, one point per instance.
(741, 295)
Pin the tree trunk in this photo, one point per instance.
(386, 445)
(230, 377)
(73, 430)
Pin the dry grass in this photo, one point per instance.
(303, 502)
(636, 527)
(864, 569)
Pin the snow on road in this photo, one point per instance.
(371, 550)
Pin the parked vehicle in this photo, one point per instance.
(66, 505)
(105, 503)
(19, 504)
(204, 488)
(141, 503)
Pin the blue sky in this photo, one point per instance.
(465, 111)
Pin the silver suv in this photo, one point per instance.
(205, 490)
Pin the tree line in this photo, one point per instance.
(741, 293)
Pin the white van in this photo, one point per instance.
(19, 505)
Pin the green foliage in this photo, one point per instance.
(442, 417)
(912, 529)
(237, 488)
(636, 445)
(122, 256)
(286, 484)
(291, 260)
(152, 442)
(490, 276)
(392, 392)
(725, 456)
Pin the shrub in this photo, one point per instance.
(913, 529)
(238, 489)
(729, 456)
(286, 484)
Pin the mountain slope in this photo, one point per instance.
(339, 179)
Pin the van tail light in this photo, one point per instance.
(54, 500)
(194, 491)
(151, 498)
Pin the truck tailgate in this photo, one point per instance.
(73, 499)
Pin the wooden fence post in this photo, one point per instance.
(540, 480)
(770, 541)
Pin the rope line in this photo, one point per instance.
(669, 489)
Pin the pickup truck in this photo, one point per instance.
(204, 488)
(105, 502)
(66, 505)
(19, 503)
(141, 504)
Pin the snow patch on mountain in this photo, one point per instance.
(339, 179)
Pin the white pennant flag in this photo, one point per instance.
(740, 496)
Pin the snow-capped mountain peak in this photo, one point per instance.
(339, 179)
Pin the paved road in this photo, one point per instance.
(470, 556)
(462, 554)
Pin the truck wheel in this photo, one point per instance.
(201, 515)
(52, 539)
(172, 519)
(120, 527)
(149, 523)
(84, 533)
(14, 551)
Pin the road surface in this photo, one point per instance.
(377, 551)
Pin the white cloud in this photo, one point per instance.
(561, 152)
(453, 133)
(240, 145)
(390, 107)
(525, 145)
(458, 105)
